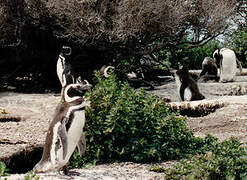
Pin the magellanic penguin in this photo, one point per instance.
(104, 70)
(62, 64)
(186, 86)
(65, 130)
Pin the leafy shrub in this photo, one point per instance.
(123, 125)
(193, 57)
(31, 176)
(3, 169)
(226, 160)
(239, 44)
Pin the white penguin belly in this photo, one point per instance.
(60, 68)
(55, 156)
(178, 83)
(75, 132)
(187, 94)
(229, 67)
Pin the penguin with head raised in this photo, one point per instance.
(104, 70)
(65, 130)
(63, 64)
(64, 72)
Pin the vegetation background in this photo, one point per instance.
(120, 33)
(114, 32)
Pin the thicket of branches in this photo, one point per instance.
(119, 28)
(91, 21)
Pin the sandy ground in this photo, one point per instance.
(115, 171)
(34, 112)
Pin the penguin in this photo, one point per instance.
(65, 76)
(62, 65)
(227, 60)
(209, 70)
(187, 86)
(64, 69)
(65, 130)
(104, 70)
(209, 67)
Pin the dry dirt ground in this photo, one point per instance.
(24, 119)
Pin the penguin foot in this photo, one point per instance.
(72, 173)
(66, 172)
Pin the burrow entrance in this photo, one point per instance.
(23, 161)
(10, 119)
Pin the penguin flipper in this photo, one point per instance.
(81, 145)
(62, 134)
(181, 91)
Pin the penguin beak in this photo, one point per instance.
(78, 89)
(83, 87)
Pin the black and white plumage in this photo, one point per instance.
(186, 86)
(104, 70)
(66, 128)
(60, 67)
(209, 67)
(63, 66)
(227, 60)
(209, 71)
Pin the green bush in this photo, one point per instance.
(123, 125)
(193, 57)
(3, 169)
(239, 44)
(226, 160)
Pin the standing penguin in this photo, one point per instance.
(65, 130)
(186, 86)
(227, 61)
(62, 65)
